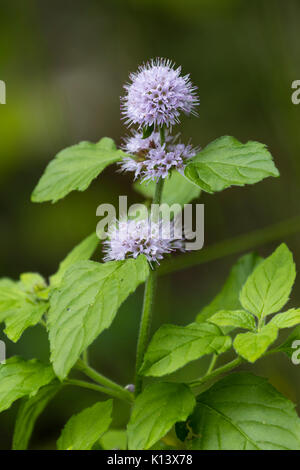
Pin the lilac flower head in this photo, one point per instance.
(157, 95)
(129, 238)
(150, 160)
(135, 143)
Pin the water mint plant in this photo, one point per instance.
(220, 409)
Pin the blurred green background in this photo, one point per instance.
(64, 64)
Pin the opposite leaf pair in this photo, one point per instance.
(265, 292)
(223, 163)
(239, 412)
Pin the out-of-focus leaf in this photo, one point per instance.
(228, 297)
(20, 309)
(84, 429)
(114, 439)
(29, 411)
(19, 378)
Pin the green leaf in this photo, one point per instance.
(174, 346)
(289, 346)
(177, 190)
(29, 411)
(162, 446)
(23, 316)
(86, 303)
(84, 429)
(147, 131)
(286, 319)
(228, 298)
(235, 318)
(74, 168)
(83, 251)
(227, 162)
(155, 411)
(244, 412)
(10, 294)
(33, 282)
(6, 282)
(19, 309)
(19, 378)
(251, 346)
(114, 439)
(268, 288)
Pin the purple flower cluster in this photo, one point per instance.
(129, 238)
(157, 95)
(154, 100)
(150, 160)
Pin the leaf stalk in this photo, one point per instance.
(102, 380)
(220, 370)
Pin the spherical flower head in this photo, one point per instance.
(157, 95)
(137, 144)
(150, 160)
(129, 238)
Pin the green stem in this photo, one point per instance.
(232, 246)
(272, 351)
(261, 323)
(145, 326)
(101, 379)
(148, 303)
(212, 364)
(158, 191)
(162, 135)
(221, 370)
(97, 388)
(43, 323)
(85, 357)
